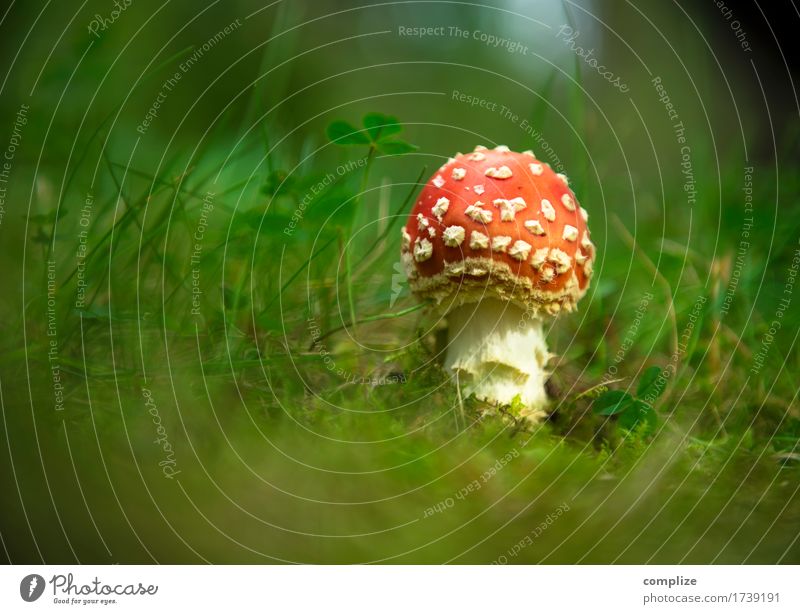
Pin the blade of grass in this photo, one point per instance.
(294, 275)
(576, 98)
(112, 113)
(399, 210)
(348, 265)
(375, 318)
(374, 252)
(631, 241)
(541, 106)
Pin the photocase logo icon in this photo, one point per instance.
(31, 587)
(398, 281)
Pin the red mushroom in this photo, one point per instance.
(498, 241)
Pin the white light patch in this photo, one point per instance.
(528, 152)
(548, 211)
(535, 227)
(588, 268)
(563, 178)
(500, 244)
(584, 214)
(536, 168)
(459, 173)
(479, 148)
(440, 208)
(453, 236)
(477, 156)
(520, 250)
(438, 181)
(548, 274)
(478, 189)
(431, 232)
(484, 216)
(502, 149)
(423, 249)
(580, 257)
(478, 240)
(570, 233)
(499, 173)
(568, 202)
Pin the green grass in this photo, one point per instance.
(306, 410)
(283, 457)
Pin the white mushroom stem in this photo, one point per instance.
(498, 352)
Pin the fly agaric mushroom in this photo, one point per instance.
(498, 242)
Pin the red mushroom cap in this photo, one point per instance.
(496, 223)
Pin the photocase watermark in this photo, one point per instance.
(52, 341)
(473, 487)
(183, 68)
(66, 591)
(486, 38)
(100, 23)
(686, 164)
(543, 147)
(660, 383)
(399, 281)
(735, 25)
(534, 534)
(10, 152)
(318, 188)
(570, 36)
(197, 251)
(31, 587)
(777, 322)
(565, 33)
(630, 336)
(744, 244)
(348, 376)
(169, 466)
(82, 252)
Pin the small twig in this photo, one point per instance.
(294, 275)
(596, 386)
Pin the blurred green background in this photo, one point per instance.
(178, 231)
